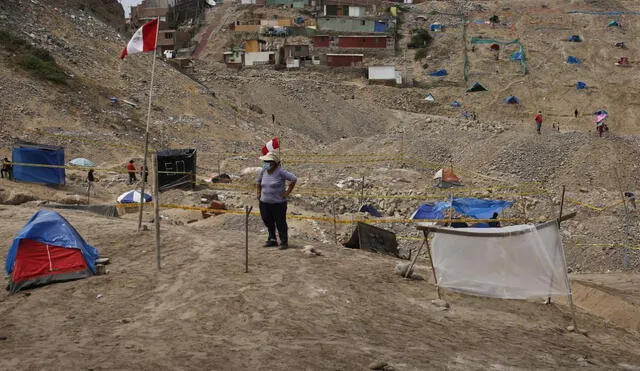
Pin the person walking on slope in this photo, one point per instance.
(131, 168)
(538, 119)
(273, 198)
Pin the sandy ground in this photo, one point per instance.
(339, 311)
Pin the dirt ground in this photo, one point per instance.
(339, 311)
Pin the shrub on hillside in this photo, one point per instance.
(36, 60)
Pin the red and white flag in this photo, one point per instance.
(144, 40)
(271, 146)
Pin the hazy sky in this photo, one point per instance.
(127, 4)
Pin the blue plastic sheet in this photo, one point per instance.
(477, 208)
(35, 174)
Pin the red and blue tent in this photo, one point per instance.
(48, 249)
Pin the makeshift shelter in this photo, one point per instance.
(456, 104)
(176, 168)
(621, 45)
(133, 197)
(46, 250)
(446, 178)
(512, 100)
(38, 154)
(517, 56)
(613, 24)
(477, 208)
(581, 85)
(369, 209)
(573, 60)
(575, 39)
(494, 47)
(430, 98)
(436, 27)
(374, 239)
(514, 262)
(477, 87)
(439, 73)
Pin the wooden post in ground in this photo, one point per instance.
(554, 256)
(433, 269)
(362, 192)
(247, 210)
(413, 261)
(335, 227)
(156, 208)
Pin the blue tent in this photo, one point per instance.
(435, 27)
(58, 235)
(517, 56)
(512, 100)
(575, 39)
(439, 73)
(477, 208)
(456, 104)
(581, 85)
(613, 24)
(370, 210)
(573, 60)
(30, 153)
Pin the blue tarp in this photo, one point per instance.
(573, 60)
(613, 24)
(441, 72)
(370, 210)
(49, 227)
(512, 100)
(477, 208)
(575, 39)
(435, 27)
(517, 56)
(38, 154)
(581, 85)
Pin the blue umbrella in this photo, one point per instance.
(82, 162)
(132, 197)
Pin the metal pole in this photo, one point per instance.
(433, 269)
(156, 209)
(247, 210)
(146, 137)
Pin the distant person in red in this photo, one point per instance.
(131, 168)
(539, 122)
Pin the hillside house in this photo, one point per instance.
(295, 4)
(354, 25)
(234, 58)
(344, 60)
(349, 8)
(252, 25)
(171, 40)
(260, 58)
(354, 41)
(297, 51)
(384, 75)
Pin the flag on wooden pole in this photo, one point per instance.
(144, 40)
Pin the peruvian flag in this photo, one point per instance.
(144, 40)
(271, 146)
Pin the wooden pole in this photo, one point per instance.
(413, 261)
(247, 210)
(362, 192)
(555, 253)
(156, 209)
(335, 226)
(433, 269)
(146, 137)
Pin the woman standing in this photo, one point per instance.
(273, 198)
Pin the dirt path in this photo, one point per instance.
(342, 310)
(220, 15)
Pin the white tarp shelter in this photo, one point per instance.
(382, 73)
(515, 262)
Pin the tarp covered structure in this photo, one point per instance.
(581, 85)
(133, 197)
(439, 73)
(517, 56)
(477, 87)
(613, 24)
(446, 178)
(575, 39)
(477, 208)
(456, 104)
(518, 262)
(48, 249)
(573, 60)
(374, 239)
(430, 98)
(369, 209)
(182, 161)
(512, 100)
(31, 153)
(435, 27)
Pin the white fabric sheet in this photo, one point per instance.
(521, 266)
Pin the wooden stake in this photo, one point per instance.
(247, 210)
(362, 192)
(156, 209)
(433, 269)
(554, 256)
(335, 226)
(413, 261)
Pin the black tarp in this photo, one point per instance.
(183, 162)
(374, 239)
